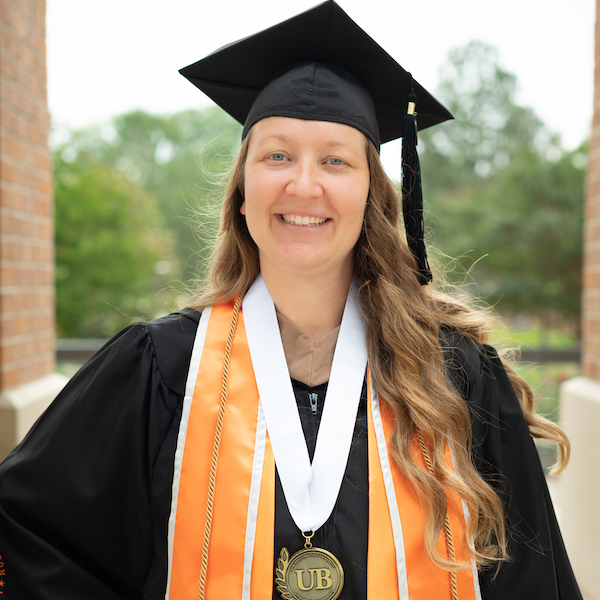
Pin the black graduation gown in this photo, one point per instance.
(85, 498)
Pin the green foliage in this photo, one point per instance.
(503, 193)
(526, 222)
(127, 196)
(111, 248)
(488, 129)
(179, 158)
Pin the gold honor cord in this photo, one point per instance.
(447, 528)
(215, 453)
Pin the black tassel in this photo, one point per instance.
(412, 194)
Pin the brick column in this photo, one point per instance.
(580, 411)
(27, 379)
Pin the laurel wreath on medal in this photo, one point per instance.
(280, 574)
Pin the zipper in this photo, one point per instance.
(313, 399)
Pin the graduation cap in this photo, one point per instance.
(320, 65)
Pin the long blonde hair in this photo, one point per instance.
(406, 359)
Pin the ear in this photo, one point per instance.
(243, 208)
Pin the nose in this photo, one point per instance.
(305, 181)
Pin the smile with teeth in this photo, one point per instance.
(303, 221)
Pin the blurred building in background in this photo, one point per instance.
(27, 378)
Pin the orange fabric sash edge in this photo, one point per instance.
(419, 578)
(225, 575)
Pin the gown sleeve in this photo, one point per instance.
(504, 453)
(81, 496)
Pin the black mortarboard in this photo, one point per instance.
(320, 65)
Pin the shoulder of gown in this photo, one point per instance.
(505, 455)
(83, 495)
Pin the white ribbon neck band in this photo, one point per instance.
(311, 490)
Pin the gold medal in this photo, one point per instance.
(310, 574)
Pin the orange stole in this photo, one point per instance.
(227, 558)
(424, 580)
(232, 487)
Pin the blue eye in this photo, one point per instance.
(278, 156)
(335, 161)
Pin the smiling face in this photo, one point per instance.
(305, 192)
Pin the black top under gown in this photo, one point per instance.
(85, 498)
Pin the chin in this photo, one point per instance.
(314, 267)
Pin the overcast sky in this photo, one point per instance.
(106, 57)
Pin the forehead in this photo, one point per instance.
(306, 132)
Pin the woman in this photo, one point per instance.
(183, 460)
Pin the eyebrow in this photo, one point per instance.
(277, 136)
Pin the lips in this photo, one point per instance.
(303, 221)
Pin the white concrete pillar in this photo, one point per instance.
(580, 483)
(20, 408)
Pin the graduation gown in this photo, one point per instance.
(85, 498)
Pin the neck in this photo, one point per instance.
(315, 305)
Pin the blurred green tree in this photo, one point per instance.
(179, 158)
(113, 253)
(489, 128)
(503, 193)
(527, 224)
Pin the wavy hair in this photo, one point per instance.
(406, 359)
